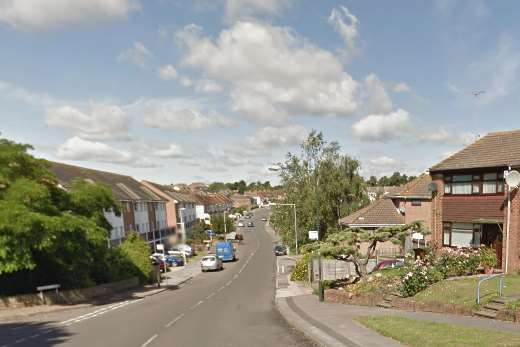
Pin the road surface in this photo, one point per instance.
(234, 307)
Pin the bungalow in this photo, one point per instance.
(142, 210)
(410, 202)
(470, 203)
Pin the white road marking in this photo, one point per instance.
(97, 312)
(33, 336)
(211, 295)
(149, 340)
(235, 276)
(174, 320)
(20, 340)
(228, 283)
(197, 304)
(221, 288)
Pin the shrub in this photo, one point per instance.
(419, 275)
(137, 252)
(457, 262)
(301, 268)
(488, 257)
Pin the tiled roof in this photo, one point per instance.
(417, 188)
(380, 212)
(170, 191)
(382, 189)
(498, 149)
(124, 187)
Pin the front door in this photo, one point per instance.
(492, 237)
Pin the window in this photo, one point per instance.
(476, 184)
(461, 235)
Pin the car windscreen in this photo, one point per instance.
(208, 259)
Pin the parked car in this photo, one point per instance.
(175, 260)
(183, 248)
(211, 262)
(239, 237)
(225, 251)
(250, 224)
(280, 250)
(389, 264)
(240, 224)
(264, 219)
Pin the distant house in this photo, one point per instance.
(471, 201)
(408, 203)
(377, 192)
(142, 210)
(239, 200)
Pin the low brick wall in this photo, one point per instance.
(73, 296)
(339, 296)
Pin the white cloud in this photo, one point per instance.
(236, 9)
(208, 86)
(44, 14)
(383, 127)
(383, 161)
(97, 121)
(378, 101)
(270, 137)
(168, 72)
(138, 54)
(274, 72)
(441, 135)
(172, 151)
(345, 23)
(178, 115)
(401, 88)
(77, 148)
(11, 91)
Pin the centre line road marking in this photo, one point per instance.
(197, 304)
(228, 283)
(221, 288)
(174, 320)
(149, 340)
(211, 295)
(235, 276)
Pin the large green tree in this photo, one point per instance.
(47, 233)
(325, 185)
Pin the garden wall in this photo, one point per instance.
(73, 296)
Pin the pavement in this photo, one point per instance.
(329, 324)
(233, 307)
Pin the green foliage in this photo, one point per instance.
(325, 185)
(48, 234)
(488, 257)
(199, 232)
(396, 179)
(137, 252)
(301, 269)
(217, 224)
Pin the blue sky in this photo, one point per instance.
(171, 90)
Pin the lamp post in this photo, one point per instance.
(295, 223)
(183, 233)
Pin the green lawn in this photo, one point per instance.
(425, 333)
(463, 292)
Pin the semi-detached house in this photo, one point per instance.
(142, 210)
(470, 205)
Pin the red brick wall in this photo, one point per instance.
(514, 236)
(436, 210)
(468, 208)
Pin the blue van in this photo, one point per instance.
(225, 251)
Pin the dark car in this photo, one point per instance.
(250, 224)
(280, 250)
(389, 264)
(239, 237)
(174, 260)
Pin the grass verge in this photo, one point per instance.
(429, 334)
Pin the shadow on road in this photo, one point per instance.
(32, 334)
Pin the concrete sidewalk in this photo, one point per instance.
(331, 324)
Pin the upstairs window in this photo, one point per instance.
(476, 184)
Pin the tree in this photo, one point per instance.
(372, 181)
(137, 252)
(46, 233)
(199, 231)
(323, 183)
(217, 224)
(345, 244)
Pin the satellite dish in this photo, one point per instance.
(513, 178)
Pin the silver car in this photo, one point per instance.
(211, 263)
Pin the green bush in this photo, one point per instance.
(301, 268)
(136, 258)
(488, 257)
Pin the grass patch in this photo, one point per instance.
(426, 333)
(463, 292)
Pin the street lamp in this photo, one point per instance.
(183, 233)
(295, 224)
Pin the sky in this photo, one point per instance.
(218, 90)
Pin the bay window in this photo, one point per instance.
(462, 235)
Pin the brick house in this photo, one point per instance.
(469, 207)
(410, 202)
(141, 210)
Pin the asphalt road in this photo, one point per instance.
(234, 307)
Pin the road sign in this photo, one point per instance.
(160, 247)
(313, 234)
